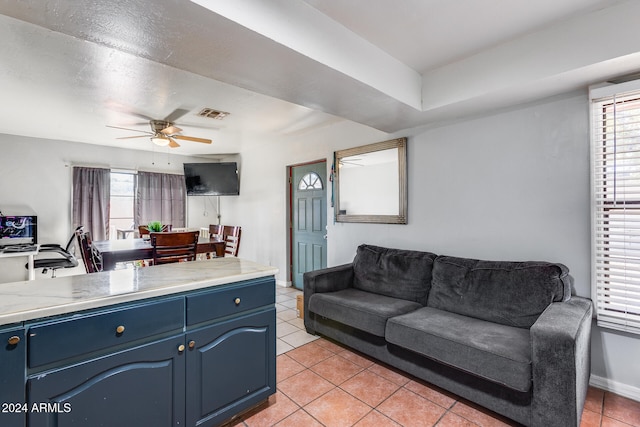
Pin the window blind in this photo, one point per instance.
(616, 216)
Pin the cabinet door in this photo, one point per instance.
(12, 377)
(142, 386)
(230, 367)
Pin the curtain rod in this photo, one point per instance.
(121, 169)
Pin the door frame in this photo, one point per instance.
(289, 219)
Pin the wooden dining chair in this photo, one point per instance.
(231, 235)
(91, 259)
(215, 231)
(174, 247)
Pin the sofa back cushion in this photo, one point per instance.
(395, 273)
(509, 293)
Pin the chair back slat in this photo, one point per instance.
(174, 246)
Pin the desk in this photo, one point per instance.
(113, 251)
(30, 255)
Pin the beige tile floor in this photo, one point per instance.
(290, 331)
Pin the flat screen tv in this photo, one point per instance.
(212, 179)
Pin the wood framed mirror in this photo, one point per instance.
(371, 183)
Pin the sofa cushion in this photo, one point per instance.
(509, 293)
(498, 353)
(395, 273)
(362, 310)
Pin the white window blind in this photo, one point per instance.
(616, 197)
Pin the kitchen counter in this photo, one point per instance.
(27, 300)
(190, 344)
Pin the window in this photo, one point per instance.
(616, 205)
(310, 181)
(105, 201)
(121, 203)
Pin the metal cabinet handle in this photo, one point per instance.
(181, 348)
(237, 301)
(120, 329)
(14, 340)
(192, 344)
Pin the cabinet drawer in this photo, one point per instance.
(212, 304)
(59, 340)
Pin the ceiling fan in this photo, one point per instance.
(163, 133)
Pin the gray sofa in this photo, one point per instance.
(507, 335)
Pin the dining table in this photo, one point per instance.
(123, 250)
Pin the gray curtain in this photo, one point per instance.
(160, 197)
(91, 194)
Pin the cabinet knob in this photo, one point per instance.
(181, 348)
(192, 344)
(120, 329)
(14, 340)
(237, 301)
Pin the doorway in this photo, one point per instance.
(308, 214)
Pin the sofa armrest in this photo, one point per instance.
(325, 280)
(561, 365)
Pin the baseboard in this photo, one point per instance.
(283, 283)
(618, 388)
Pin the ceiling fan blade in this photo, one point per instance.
(125, 109)
(175, 115)
(170, 130)
(192, 138)
(132, 130)
(173, 143)
(130, 137)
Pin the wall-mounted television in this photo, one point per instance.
(212, 179)
(16, 230)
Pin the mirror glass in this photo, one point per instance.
(371, 183)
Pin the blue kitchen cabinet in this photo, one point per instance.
(197, 358)
(230, 367)
(142, 386)
(12, 380)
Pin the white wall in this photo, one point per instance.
(513, 185)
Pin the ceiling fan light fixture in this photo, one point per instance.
(160, 140)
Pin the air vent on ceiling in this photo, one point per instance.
(213, 114)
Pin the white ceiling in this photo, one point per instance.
(283, 67)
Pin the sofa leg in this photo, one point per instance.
(311, 331)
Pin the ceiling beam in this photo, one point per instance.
(303, 29)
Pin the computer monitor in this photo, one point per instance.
(19, 229)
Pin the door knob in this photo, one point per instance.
(14, 340)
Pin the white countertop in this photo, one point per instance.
(20, 301)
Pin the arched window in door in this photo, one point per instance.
(310, 181)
